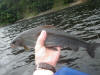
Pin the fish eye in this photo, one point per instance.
(13, 42)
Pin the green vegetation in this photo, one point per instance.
(13, 10)
(94, 3)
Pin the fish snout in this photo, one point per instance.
(12, 45)
(17, 42)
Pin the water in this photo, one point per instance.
(80, 20)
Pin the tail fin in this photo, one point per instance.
(91, 48)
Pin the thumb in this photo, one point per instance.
(41, 40)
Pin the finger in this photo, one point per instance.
(41, 40)
(58, 50)
(57, 53)
(52, 48)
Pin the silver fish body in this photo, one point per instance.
(54, 38)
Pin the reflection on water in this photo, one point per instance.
(80, 21)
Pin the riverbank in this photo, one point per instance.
(55, 9)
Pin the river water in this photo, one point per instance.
(82, 21)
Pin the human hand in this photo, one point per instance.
(43, 54)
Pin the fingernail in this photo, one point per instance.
(42, 33)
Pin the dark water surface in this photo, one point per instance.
(82, 21)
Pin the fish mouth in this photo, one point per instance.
(12, 46)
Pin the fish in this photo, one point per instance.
(55, 37)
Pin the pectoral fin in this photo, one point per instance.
(25, 47)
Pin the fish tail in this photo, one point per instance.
(91, 49)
